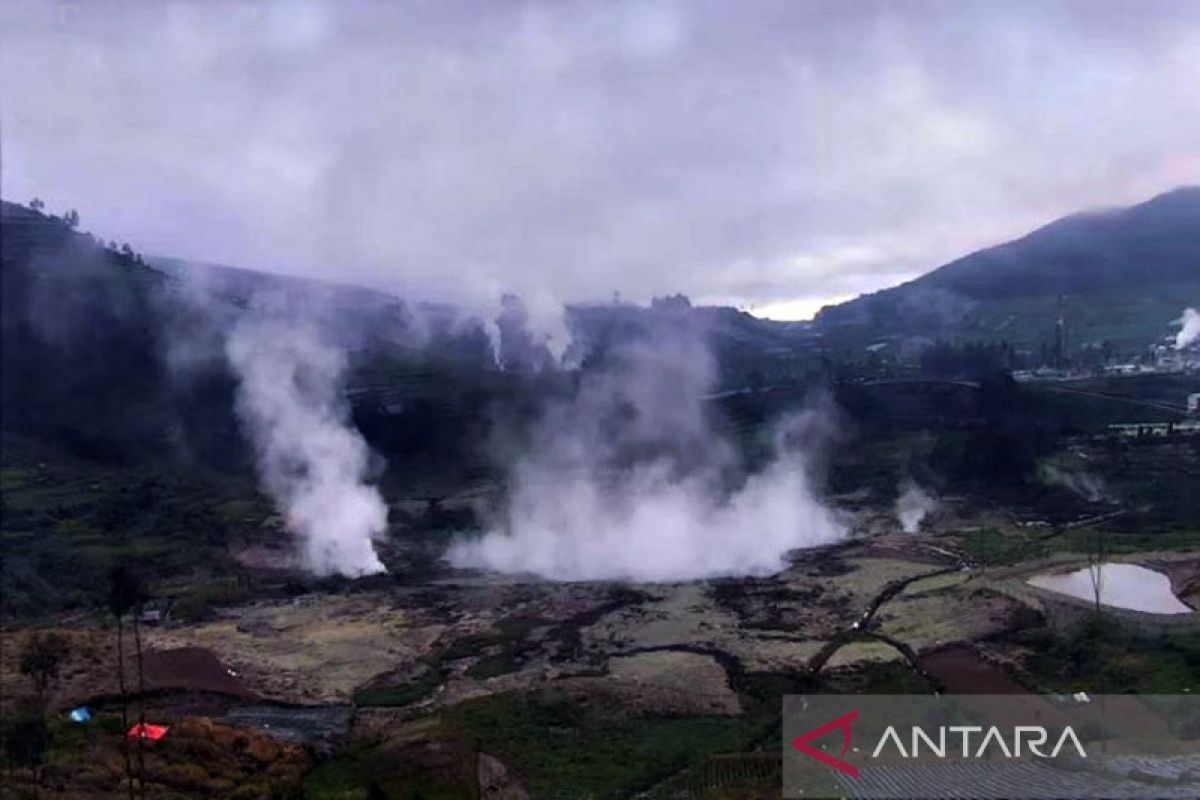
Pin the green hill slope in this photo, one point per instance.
(1124, 274)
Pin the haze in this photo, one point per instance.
(772, 157)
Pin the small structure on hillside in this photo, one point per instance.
(1138, 430)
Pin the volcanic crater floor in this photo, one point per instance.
(524, 676)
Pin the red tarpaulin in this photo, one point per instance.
(151, 732)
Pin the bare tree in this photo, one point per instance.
(1096, 547)
(125, 595)
(141, 673)
(41, 661)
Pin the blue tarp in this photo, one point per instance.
(81, 714)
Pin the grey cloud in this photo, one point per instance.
(747, 153)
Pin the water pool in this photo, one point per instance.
(1121, 586)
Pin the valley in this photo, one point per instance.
(890, 519)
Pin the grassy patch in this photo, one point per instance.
(507, 639)
(501, 663)
(66, 521)
(199, 602)
(424, 770)
(1102, 654)
(406, 694)
(994, 547)
(564, 750)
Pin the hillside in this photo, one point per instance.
(85, 320)
(1124, 274)
(81, 358)
(140, 339)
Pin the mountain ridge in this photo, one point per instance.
(1147, 254)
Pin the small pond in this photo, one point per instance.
(1121, 586)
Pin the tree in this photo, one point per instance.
(41, 661)
(1096, 553)
(141, 673)
(71, 218)
(126, 594)
(674, 302)
(27, 738)
(36, 204)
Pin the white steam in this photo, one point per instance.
(1189, 334)
(628, 480)
(1087, 486)
(913, 505)
(311, 462)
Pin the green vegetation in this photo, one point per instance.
(404, 694)
(198, 601)
(556, 747)
(88, 481)
(85, 760)
(424, 770)
(879, 677)
(1123, 273)
(1104, 655)
(501, 663)
(996, 547)
(42, 660)
(66, 521)
(564, 750)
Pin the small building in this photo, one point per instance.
(153, 613)
(151, 616)
(1143, 430)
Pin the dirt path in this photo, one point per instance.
(862, 628)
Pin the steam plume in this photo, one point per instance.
(1190, 333)
(310, 461)
(1089, 487)
(912, 506)
(628, 480)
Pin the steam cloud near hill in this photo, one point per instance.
(1189, 334)
(625, 479)
(628, 480)
(913, 505)
(310, 460)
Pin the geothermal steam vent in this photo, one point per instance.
(629, 480)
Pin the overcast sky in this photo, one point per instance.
(768, 155)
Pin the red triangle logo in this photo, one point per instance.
(801, 743)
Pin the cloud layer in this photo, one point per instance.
(758, 154)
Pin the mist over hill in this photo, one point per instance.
(85, 318)
(1124, 274)
(140, 338)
